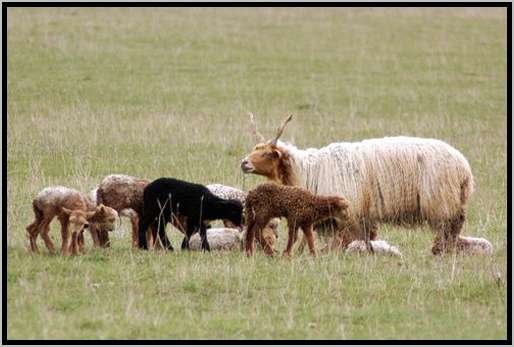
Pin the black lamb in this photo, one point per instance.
(166, 199)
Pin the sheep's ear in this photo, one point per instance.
(274, 154)
(342, 203)
(66, 211)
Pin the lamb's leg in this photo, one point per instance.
(250, 235)
(45, 230)
(308, 235)
(134, 220)
(291, 238)
(32, 234)
(74, 243)
(104, 238)
(33, 229)
(264, 245)
(447, 233)
(143, 226)
(94, 231)
(190, 229)
(153, 238)
(302, 245)
(203, 236)
(66, 237)
(81, 242)
(161, 230)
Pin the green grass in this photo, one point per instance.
(164, 92)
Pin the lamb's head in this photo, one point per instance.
(105, 217)
(270, 235)
(233, 212)
(266, 158)
(77, 219)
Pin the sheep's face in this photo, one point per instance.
(263, 160)
(77, 219)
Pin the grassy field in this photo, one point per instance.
(164, 92)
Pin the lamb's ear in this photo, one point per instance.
(101, 209)
(66, 211)
(90, 215)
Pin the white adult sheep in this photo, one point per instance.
(399, 180)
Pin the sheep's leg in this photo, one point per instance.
(373, 231)
(308, 235)
(447, 233)
(203, 236)
(291, 238)
(161, 230)
(45, 230)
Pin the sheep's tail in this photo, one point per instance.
(466, 189)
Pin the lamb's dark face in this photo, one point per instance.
(235, 212)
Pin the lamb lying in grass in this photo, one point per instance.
(219, 239)
(232, 238)
(374, 246)
(301, 208)
(75, 212)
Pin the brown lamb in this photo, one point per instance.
(124, 194)
(75, 213)
(300, 207)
